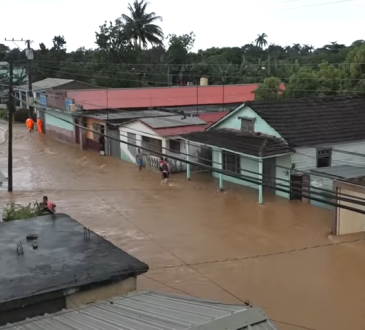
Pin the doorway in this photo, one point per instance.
(269, 174)
(296, 187)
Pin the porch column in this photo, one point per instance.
(220, 166)
(187, 151)
(261, 179)
(164, 146)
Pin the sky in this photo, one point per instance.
(227, 23)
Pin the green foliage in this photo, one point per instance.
(121, 60)
(269, 90)
(3, 113)
(20, 212)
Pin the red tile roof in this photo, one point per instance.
(162, 96)
(211, 117)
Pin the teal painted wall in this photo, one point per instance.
(233, 122)
(248, 164)
(281, 173)
(51, 119)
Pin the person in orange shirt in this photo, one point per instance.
(29, 122)
(40, 125)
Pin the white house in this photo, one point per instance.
(280, 143)
(159, 135)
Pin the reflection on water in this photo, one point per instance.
(198, 240)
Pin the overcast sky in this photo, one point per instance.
(216, 23)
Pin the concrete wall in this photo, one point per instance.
(346, 221)
(60, 126)
(121, 288)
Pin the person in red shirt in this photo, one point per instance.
(50, 206)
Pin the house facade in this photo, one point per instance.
(321, 133)
(159, 136)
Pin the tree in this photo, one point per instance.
(179, 47)
(261, 40)
(269, 90)
(140, 25)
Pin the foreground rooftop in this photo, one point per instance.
(150, 310)
(64, 259)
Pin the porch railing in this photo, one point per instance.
(153, 163)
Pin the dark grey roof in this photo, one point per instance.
(341, 171)
(172, 121)
(256, 144)
(150, 310)
(126, 115)
(307, 122)
(63, 260)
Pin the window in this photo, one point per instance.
(175, 146)
(231, 162)
(324, 156)
(97, 128)
(247, 124)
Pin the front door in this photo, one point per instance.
(296, 187)
(269, 174)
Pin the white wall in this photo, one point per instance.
(306, 158)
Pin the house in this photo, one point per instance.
(153, 310)
(40, 90)
(109, 122)
(289, 138)
(52, 262)
(158, 136)
(156, 97)
(42, 86)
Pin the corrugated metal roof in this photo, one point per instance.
(149, 310)
(128, 114)
(172, 121)
(341, 171)
(45, 84)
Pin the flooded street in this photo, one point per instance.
(199, 241)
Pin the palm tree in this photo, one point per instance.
(261, 40)
(139, 25)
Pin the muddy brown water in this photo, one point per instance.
(199, 241)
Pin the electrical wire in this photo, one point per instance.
(89, 71)
(206, 65)
(331, 196)
(331, 193)
(225, 172)
(164, 84)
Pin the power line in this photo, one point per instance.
(70, 70)
(228, 173)
(350, 92)
(195, 65)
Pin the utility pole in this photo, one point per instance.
(269, 65)
(30, 56)
(10, 128)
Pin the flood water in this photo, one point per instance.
(199, 241)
